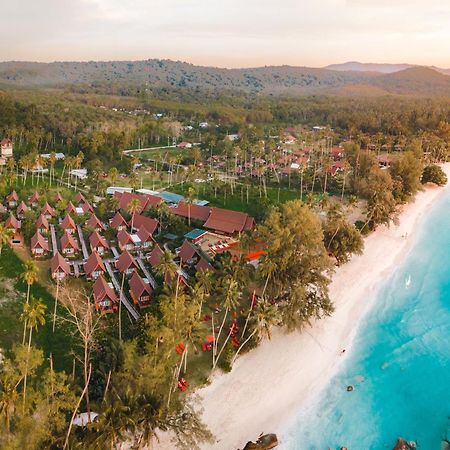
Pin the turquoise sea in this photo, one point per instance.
(399, 364)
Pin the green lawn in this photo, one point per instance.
(60, 343)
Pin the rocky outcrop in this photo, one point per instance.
(404, 445)
(264, 442)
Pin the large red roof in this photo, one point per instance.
(68, 223)
(227, 221)
(13, 223)
(155, 256)
(138, 286)
(139, 221)
(117, 221)
(187, 251)
(102, 290)
(42, 222)
(195, 212)
(67, 240)
(94, 264)
(96, 239)
(145, 200)
(58, 262)
(38, 241)
(125, 261)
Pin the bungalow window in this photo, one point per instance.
(105, 303)
(16, 241)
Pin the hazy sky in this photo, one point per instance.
(229, 33)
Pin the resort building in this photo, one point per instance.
(140, 290)
(69, 246)
(105, 297)
(118, 222)
(94, 266)
(94, 223)
(59, 267)
(98, 243)
(68, 225)
(12, 199)
(39, 245)
(15, 226)
(34, 200)
(126, 263)
(42, 224)
(48, 211)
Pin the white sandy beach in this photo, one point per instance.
(268, 386)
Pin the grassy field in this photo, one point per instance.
(13, 293)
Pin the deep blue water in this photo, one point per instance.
(399, 364)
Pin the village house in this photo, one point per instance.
(126, 263)
(204, 265)
(118, 222)
(105, 297)
(94, 266)
(14, 226)
(188, 254)
(140, 290)
(139, 221)
(58, 198)
(69, 246)
(146, 239)
(94, 223)
(87, 208)
(71, 208)
(12, 199)
(34, 200)
(21, 210)
(48, 212)
(79, 198)
(125, 241)
(59, 267)
(229, 222)
(68, 225)
(98, 243)
(42, 224)
(155, 256)
(39, 245)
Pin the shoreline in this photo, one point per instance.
(268, 386)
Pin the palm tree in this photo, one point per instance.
(189, 200)
(30, 276)
(166, 266)
(113, 174)
(266, 316)
(5, 235)
(133, 207)
(33, 315)
(231, 302)
(52, 159)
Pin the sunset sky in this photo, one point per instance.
(228, 33)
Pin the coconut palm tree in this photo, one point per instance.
(266, 316)
(113, 174)
(190, 195)
(52, 160)
(230, 303)
(133, 207)
(5, 235)
(30, 276)
(33, 315)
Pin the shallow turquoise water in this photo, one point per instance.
(400, 361)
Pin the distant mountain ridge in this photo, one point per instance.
(377, 67)
(167, 74)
